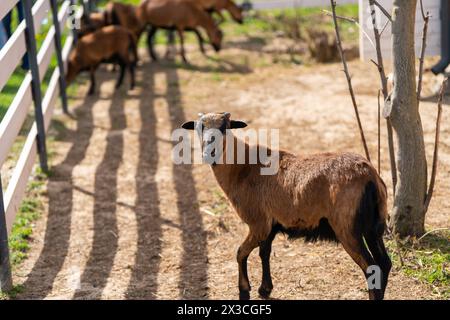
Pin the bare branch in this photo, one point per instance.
(436, 147)
(349, 80)
(383, 10)
(379, 132)
(426, 19)
(384, 27)
(431, 231)
(384, 86)
(352, 20)
(424, 16)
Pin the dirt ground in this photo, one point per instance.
(123, 222)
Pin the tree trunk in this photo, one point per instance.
(408, 218)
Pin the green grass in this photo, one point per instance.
(12, 293)
(427, 260)
(29, 211)
(266, 21)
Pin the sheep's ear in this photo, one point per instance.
(190, 125)
(236, 124)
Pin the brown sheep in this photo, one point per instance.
(125, 15)
(108, 44)
(217, 6)
(179, 15)
(332, 196)
(92, 22)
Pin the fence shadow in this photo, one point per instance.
(105, 241)
(193, 278)
(143, 282)
(60, 203)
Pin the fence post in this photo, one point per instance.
(58, 46)
(36, 83)
(5, 267)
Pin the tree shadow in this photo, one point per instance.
(60, 203)
(251, 43)
(143, 282)
(193, 278)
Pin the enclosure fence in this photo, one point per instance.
(23, 41)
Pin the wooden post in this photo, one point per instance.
(5, 267)
(36, 83)
(58, 46)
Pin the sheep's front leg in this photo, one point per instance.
(201, 41)
(265, 248)
(92, 87)
(244, 251)
(183, 52)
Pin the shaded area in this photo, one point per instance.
(143, 282)
(105, 242)
(219, 66)
(193, 278)
(60, 203)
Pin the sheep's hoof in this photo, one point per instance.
(244, 295)
(264, 292)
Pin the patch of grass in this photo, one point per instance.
(12, 294)
(280, 20)
(427, 260)
(29, 212)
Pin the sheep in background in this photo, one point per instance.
(110, 44)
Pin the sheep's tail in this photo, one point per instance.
(371, 225)
(372, 210)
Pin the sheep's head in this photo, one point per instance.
(216, 36)
(212, 129)
(235, 11)
(73, 66)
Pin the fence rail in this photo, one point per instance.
(23, 41)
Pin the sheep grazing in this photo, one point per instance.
(92, 22)
(331, 196)
(217, 6)
(179, 15)
(110, 44)
(125, 15)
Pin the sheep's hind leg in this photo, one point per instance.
(355, 247)
(379, 253)
(265, 248)
(244, 251)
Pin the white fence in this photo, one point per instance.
(23, 41)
